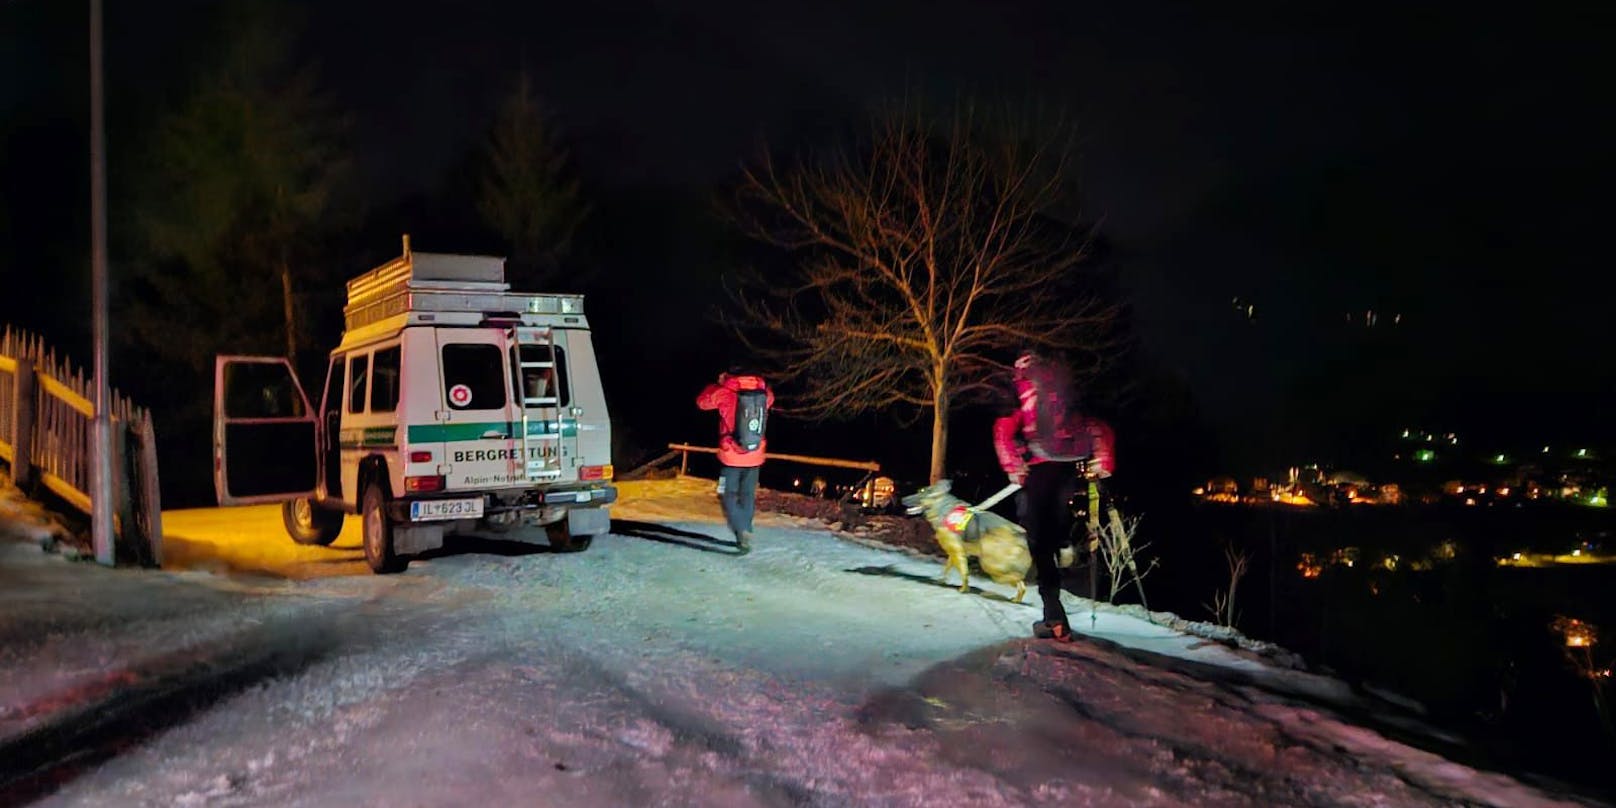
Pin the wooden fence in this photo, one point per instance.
(684, 450)
(869, 467)
(47, 419)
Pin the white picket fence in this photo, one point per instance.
(46, 423)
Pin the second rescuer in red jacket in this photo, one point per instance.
(743, 401)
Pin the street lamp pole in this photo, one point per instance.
(101, 450)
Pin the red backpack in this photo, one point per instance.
(1059, 432)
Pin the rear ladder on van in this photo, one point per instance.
(546, 465)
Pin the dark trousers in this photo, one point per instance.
(1043, 506)
(738, 496)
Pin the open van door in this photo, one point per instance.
(264, 438)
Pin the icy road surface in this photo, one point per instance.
(659, 668)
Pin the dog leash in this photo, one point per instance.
(997, 498)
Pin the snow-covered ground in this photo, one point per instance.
(660, 668)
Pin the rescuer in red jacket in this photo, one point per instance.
(743, 401)
(1039, 446)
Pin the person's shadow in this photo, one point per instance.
(672, 535)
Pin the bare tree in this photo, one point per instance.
(923, 258)
(526, 192)
(1122, 556)
(1223, 601)
(1579, 638)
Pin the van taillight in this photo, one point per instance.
(595, 472)
(420, 457)
(420, 484)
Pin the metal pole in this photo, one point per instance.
(101, 452)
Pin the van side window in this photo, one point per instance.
(384, 384)
(332, 402)
(358, 375)
(545, 382)
(260, 390)
(474, 376)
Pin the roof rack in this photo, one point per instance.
(441, 289)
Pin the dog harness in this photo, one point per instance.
(961, 521)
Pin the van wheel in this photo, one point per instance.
(562, 540)
(308, 523)
(378, 532)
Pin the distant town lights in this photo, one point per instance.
(1577, 634)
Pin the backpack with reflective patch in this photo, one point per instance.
(1059, 432)
(751, 418)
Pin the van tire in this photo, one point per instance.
(562, 540)
(378, 532)
(308, 523)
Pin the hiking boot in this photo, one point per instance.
(1059, 632)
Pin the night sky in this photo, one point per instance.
(1446, 165)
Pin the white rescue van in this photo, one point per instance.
(452, 406)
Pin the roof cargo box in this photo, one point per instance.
(439, 289)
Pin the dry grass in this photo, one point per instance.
(846, 519)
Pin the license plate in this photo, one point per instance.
(427, 510)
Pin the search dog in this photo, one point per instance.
(999, 544)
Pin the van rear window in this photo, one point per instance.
(545, 383)
(474, 376)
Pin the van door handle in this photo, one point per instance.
(496, 434)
